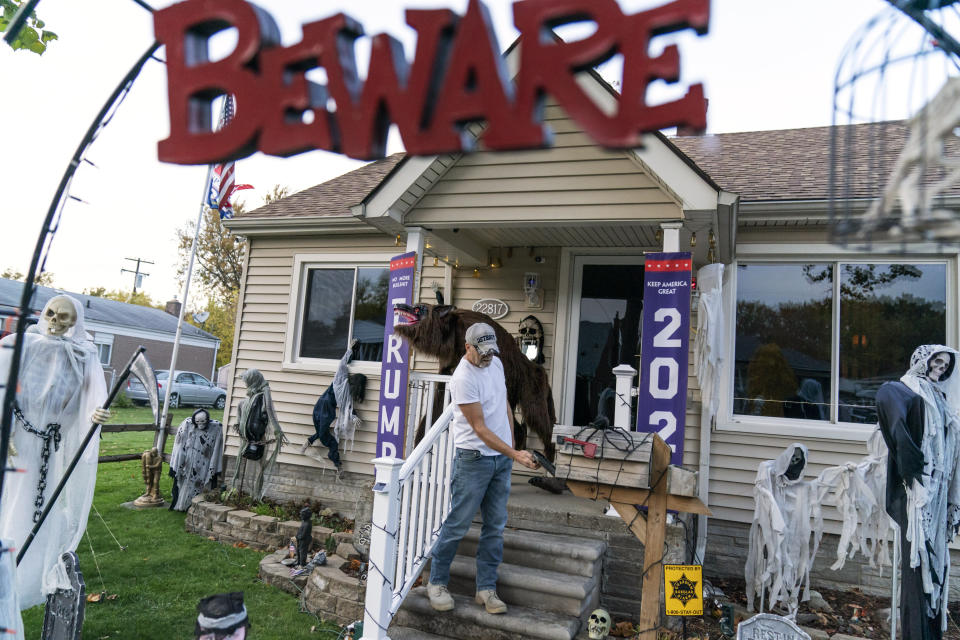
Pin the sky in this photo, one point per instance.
(766, 64)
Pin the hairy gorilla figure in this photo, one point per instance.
(440, 331)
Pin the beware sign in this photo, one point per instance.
(683, 586)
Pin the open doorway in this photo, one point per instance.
(605, 320)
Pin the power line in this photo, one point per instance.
(137, 274)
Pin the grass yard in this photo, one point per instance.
(164, 571)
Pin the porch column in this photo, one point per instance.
(671, 236)
(621, 411)
(415, 242)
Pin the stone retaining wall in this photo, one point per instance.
(230, 525)
(352, 496)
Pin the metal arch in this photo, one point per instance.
(46, 230)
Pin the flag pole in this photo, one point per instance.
(161, 438)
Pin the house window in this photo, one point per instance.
(103, 350)
(342, 304)
(815, 341)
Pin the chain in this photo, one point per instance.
(52, 432)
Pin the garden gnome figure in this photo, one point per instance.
(150, 464)
(304, 536)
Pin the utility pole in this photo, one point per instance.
(137, 274)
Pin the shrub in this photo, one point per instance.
(121, 401)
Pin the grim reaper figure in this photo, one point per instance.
(920, 424)
(61, 392)
(785, 533)
(197, 458)
(259, 428)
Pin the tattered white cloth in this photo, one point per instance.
(197, 456)
(708, 346)
(61, 383)
(859, 491)
(785, 533)
(9, 607)
(933, 507)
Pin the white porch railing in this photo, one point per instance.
(411, 499)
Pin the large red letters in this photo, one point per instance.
(457, 78)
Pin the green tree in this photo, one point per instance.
(33, 36)
(44, 280)
(139, 298)
(218, 268)
(221, 323)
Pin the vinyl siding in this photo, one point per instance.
(574, 180)
(261, 336)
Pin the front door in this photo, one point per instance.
(606, 316)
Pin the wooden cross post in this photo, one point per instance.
(649, 530)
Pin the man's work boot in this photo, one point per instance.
(440, 598)
(491, 601)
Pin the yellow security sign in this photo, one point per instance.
(683, 587)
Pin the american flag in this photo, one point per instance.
(222, 183)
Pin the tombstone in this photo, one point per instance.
(361, 539)
(766, 626)
(63, 617)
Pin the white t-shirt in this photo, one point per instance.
(487, 386)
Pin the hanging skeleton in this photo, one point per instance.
(921, 426)
(61, 388)
(257, 415)
(196, 459)
(785, 533)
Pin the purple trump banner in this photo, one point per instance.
(392, 416)
(664, 348)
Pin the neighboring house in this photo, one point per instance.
(118, 328)
(814, 328)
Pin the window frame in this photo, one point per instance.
(104, 340)
(302, 263)
(805, 254)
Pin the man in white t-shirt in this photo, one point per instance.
(483, 432)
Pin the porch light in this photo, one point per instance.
(436, 261)
(476, 272)
(397, 243)
(658, 236)
(693, 239)
(495, 262)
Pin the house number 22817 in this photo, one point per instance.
(494, 308)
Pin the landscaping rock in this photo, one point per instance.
(346, 549)
(806, 618)
(815, 634)
(843, 636)
(274, 573)
(817, 603)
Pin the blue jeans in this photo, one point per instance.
(478, 482)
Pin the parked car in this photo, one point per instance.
(188, 389)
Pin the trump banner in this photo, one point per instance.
(392, 416)
(664, 348)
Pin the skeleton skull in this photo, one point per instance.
(599, 624)
(531, 339)
(201, 418)
(938, 365)
(60, 315)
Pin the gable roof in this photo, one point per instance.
(333, 197)
(103, 310)
(795, 164)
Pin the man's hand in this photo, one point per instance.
(100, 416)
(526, 459)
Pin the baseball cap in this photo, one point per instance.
(482, 336)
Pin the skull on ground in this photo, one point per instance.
(598, 626)
(60, 315)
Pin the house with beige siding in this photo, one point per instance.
(813, 327)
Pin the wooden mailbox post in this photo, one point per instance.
(636, 475)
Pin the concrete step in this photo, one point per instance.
(469, 620)
(406, 633)
(552, 552)
(529, 587)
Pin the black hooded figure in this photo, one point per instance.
(918, 419)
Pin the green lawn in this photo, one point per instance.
(164, 571)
